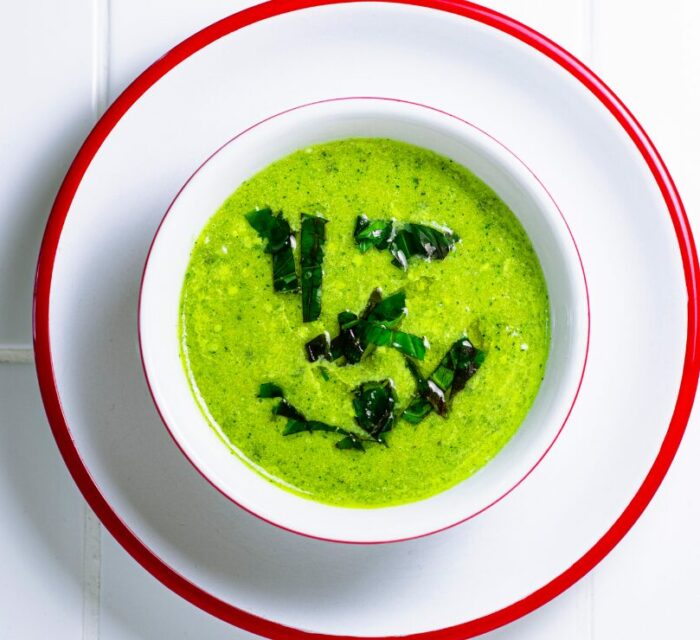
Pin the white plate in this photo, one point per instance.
(599, 167)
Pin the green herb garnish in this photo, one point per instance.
(423, 241)
(406, 343)
(388, 312)
(418, 409)
(458, 365)
(374, 404)
(313, 237)
(373, 233)
(297, 422)
(404, 240)
(280, 245)
(420, 406)
(318, 347)
(458, 360)
(348, 343)
(375, 326)
(270, 390)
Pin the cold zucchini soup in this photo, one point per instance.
(364, 322)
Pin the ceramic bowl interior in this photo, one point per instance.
(251, 151)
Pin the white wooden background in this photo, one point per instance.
(61, 575)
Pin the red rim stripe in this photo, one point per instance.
(130, 541)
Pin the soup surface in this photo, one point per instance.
(237, 332)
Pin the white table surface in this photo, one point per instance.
(63, 576)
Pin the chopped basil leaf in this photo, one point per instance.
(376, 326)
(417, 409)
(347, 320)
(294, 426)
(280, 245)
(374, 299)
(270, 390)
(437, 398)
(458, 357)
(297, 426)
(374, 404)
(428, 396)
(375, 233)
(421, 382)
(404, 246)
(287, 410)
(313, 237)
(351, 441)
(404, 240)
(318, 347)
(406, 343)
(284, 276)
(348, 343)
(457, 366)
(390, 311)
(462, 375)
(297, 422)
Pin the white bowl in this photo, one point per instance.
(273, 138)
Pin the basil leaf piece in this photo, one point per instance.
(457, 366)
(294, 426)
(403, 247)
(297, 422)
(374, 299)
(374, 404)
(404, 241)
(270, 390)
(351, 441)
(263, 222)
(462, 375)
(284, 276)
(421, 382)
(375, 326)
(318, 347)
(423, 241)
(437, 398)
(287, 410)
(280, 245)
(406, 343)
(348, 343)
(416, 410)
(374, 233)
(428, 396)
(390, 311)
(313, 238)
(297, 426)
(458, 357)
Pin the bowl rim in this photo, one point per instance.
(249, 508)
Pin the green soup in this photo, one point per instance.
(236, 332)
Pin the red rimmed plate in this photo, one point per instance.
(624, 213)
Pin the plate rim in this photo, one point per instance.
(148, 558)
